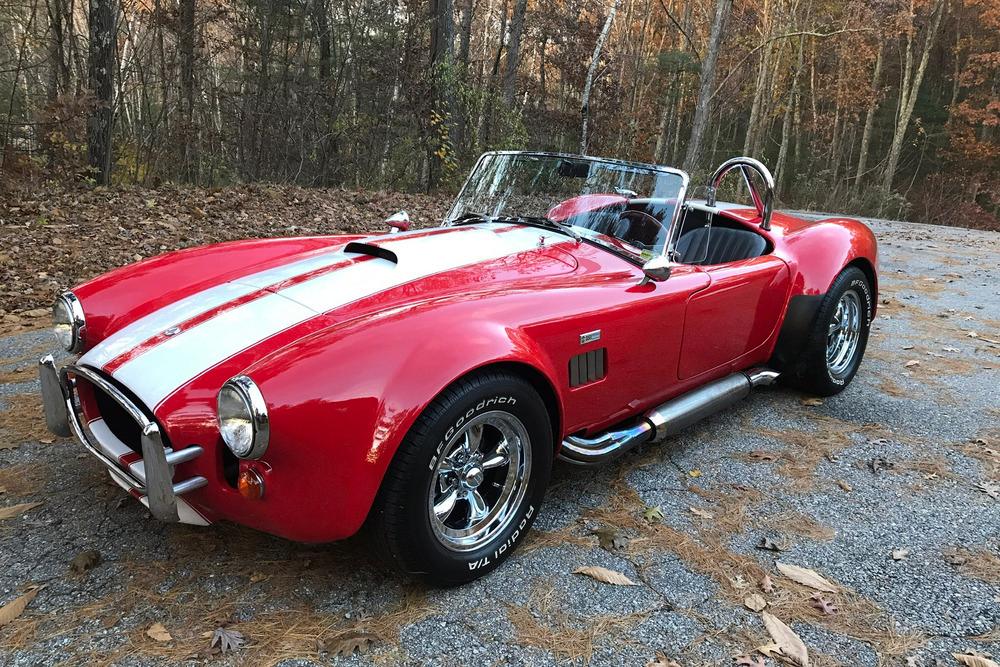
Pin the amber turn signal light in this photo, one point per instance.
(250, 484)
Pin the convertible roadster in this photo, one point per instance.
(420, 383)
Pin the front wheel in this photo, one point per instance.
(467, 481)
(839, 336)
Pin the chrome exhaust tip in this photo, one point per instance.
(667, 419)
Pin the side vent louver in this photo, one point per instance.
(587, 367)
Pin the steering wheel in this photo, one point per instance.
(636, 212)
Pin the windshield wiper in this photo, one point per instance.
(542, 221)
(471, 219)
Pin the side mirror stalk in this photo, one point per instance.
(656, 270)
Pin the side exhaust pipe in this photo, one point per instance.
(668, 419)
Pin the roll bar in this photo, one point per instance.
(764, 204)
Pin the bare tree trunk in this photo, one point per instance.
(465, 39)
(57, 69)
(103, 25)
(321, 21)
(908, 95)
(786, 124)
(663, 136)
(513, 50)
(186, 47)
(749, 141)
(866, 134)
(442, 64)
(591, 71)
(707, 85)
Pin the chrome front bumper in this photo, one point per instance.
(155, 481)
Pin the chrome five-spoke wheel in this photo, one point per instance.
(844, 332)
(479, 481)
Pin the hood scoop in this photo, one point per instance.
(362, 248)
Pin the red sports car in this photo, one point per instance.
(423, 382)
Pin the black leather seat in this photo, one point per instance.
(722, 245)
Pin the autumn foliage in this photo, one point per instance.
(885, 108)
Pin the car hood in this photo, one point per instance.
(158, 353)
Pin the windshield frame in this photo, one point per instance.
(449, 219)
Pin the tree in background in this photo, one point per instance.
(859, 107)
(103, 25)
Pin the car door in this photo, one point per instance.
(727, 324)
(617, 341)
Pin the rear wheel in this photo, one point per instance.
(467, 481)
(839, 336)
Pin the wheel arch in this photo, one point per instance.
(866, 267)
(533, 376)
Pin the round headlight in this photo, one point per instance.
(68, 322)
(243, 420)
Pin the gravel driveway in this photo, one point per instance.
(884, 490)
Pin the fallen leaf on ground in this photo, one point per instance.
(609, 538)
(695, 473)
(811, 402)
(992, 489)
(911, 363)
(767, 544)
(662, 661)
(844, 485)
(744, 660)
(158, 633)
(900, 554)
(755, 602)
(16, 607)
(806, 577)
(652, 514)
(227, 640)
(605, 575)
(85, 560)
(14, 510)
(971, 660)
(701, 513)
(828, 607)
(879, 463)
(789, 643)
(771, 651)
(766, 584)
(347, 645)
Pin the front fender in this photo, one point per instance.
(342, 400)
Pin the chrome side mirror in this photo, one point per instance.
(398, 222)
(656, 270)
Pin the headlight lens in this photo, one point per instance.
(68, 322)
(243, 421)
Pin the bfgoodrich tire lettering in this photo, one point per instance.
(468, 479)
(837, 341)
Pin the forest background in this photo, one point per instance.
(887, 108)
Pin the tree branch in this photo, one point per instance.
(788, 35)
(682, 30)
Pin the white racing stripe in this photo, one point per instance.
(158, 372)
(191, 306)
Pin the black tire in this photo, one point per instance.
(401, 520)
(813, 373)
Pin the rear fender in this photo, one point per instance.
(817, 254)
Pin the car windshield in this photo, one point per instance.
(628, 208)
